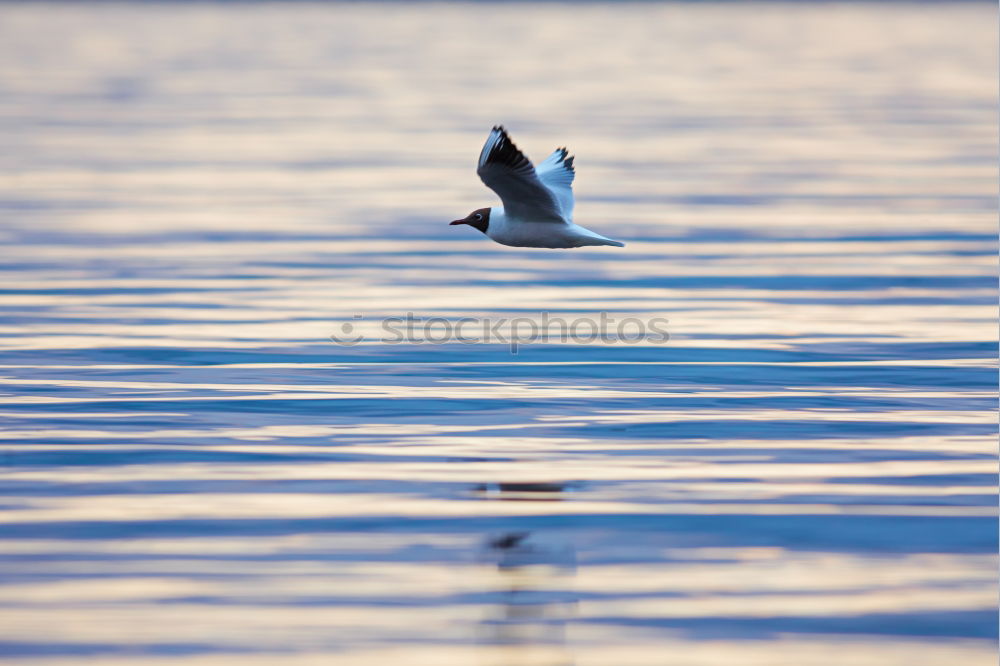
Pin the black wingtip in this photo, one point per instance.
(504, 152)
(564, 158)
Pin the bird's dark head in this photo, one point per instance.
(479, 218)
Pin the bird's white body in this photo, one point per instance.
(537, 208)
(512, 231)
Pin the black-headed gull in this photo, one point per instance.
(537, 206)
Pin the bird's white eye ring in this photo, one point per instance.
(479, 216)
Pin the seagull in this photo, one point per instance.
(537, 206)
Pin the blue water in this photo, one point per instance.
(195, 197)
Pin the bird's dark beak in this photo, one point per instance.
(465, 221)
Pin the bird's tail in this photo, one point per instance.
(601, 240)
(587, 237)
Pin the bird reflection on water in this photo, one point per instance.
(533, 576)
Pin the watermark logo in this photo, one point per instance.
(514, 332)
(348, 335)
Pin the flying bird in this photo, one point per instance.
(537, 208)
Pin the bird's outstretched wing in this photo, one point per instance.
(557, 174)
(506, 171)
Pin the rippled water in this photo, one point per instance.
(194, 197)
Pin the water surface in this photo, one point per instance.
(194, 197)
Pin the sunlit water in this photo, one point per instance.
(194, 197)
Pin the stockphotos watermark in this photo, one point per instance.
(513, 331)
